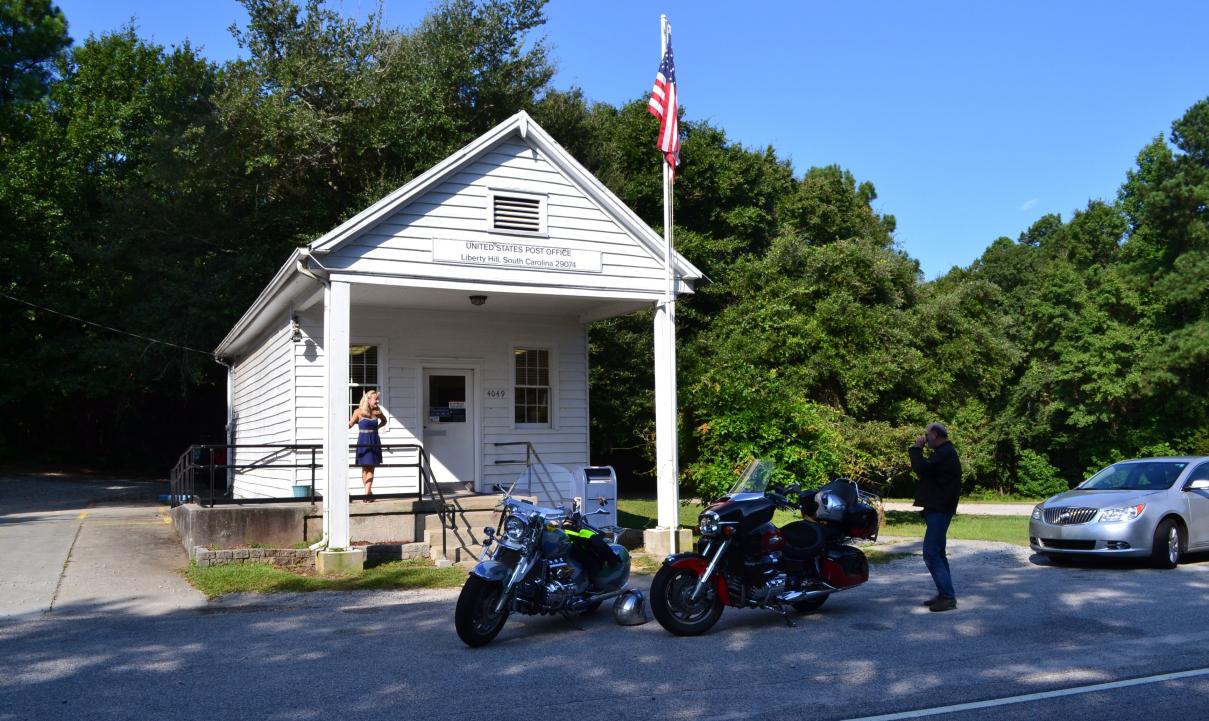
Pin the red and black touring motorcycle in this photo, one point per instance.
(744, 561)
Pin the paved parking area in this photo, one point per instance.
(73, 542)
(1116, 641)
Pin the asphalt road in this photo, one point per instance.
(1029, 641)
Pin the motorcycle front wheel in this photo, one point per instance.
(475, 618)
(674, 607)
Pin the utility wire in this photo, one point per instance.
(105, 327)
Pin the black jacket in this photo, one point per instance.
(939, 478)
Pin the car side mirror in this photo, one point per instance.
(1200, 484)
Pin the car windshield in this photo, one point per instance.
(754, 479)
(1138, 476)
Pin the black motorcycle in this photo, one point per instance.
(539, 561)
(745, 561)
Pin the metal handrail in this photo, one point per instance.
(547, 483)
(183, 488)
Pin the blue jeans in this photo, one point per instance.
(937, 523)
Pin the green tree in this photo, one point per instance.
(32, 34)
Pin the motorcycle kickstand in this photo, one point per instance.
(785, 616)
(567, 617)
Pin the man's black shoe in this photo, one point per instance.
(932, 600)
(943, 603)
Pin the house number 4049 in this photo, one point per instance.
(496, 393)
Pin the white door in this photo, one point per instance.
(449, 424)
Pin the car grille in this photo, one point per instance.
(1069, 516)
(1068, 545)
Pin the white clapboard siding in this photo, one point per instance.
(409, 342)
(457, 209)
(264, 414)
(397, 392)
(483, 341)
(309, 395)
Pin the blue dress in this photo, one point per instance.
(369, 445)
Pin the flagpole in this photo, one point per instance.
(666, 451)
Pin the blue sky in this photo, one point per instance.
(972, 119)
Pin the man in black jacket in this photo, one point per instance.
(937, 494)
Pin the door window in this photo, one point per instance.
(446, 399)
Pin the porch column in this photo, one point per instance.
(335, 424)
(666, 451)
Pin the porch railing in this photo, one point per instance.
(202, 472)
(536, 469)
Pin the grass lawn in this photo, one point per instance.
(1005, 529)
(642, 513)
(217, 581)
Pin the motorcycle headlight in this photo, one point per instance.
(514, 528)
(1121, 513)
(707, 524)
(1037, 512)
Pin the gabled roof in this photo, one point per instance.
(530, 132)
(293, 274)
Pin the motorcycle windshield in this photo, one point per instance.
(753, 481)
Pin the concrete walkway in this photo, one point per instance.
(974, 509)
(85, 545)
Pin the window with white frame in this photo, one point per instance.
(362, 373)
(531, 402)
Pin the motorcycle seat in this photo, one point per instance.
(803, 540)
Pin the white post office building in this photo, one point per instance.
(464, 298)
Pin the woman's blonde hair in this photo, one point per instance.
(363, 406)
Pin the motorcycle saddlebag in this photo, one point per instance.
(860, 521)
(844, 566)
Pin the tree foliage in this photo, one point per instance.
(152, 191)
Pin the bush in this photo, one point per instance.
(1036, 478)
(796, 435)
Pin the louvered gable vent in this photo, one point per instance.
(516, 213)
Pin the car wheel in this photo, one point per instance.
(1168, 544)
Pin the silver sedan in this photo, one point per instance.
(1149, 507)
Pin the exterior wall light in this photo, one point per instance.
(296, 327)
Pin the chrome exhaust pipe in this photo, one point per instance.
(795, 595)
(606, 595)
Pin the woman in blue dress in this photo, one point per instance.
(368, 418)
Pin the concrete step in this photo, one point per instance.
(475, 520)
(464, 542)
(467, 555)
(457, 541)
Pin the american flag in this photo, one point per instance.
(663, 106)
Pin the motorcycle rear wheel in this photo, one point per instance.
(475, 618)
(673, 607)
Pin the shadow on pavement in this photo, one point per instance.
(44, 492)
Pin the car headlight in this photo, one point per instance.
(708, 524)
(1037, 512)
(1121, 513)
(514, 528)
